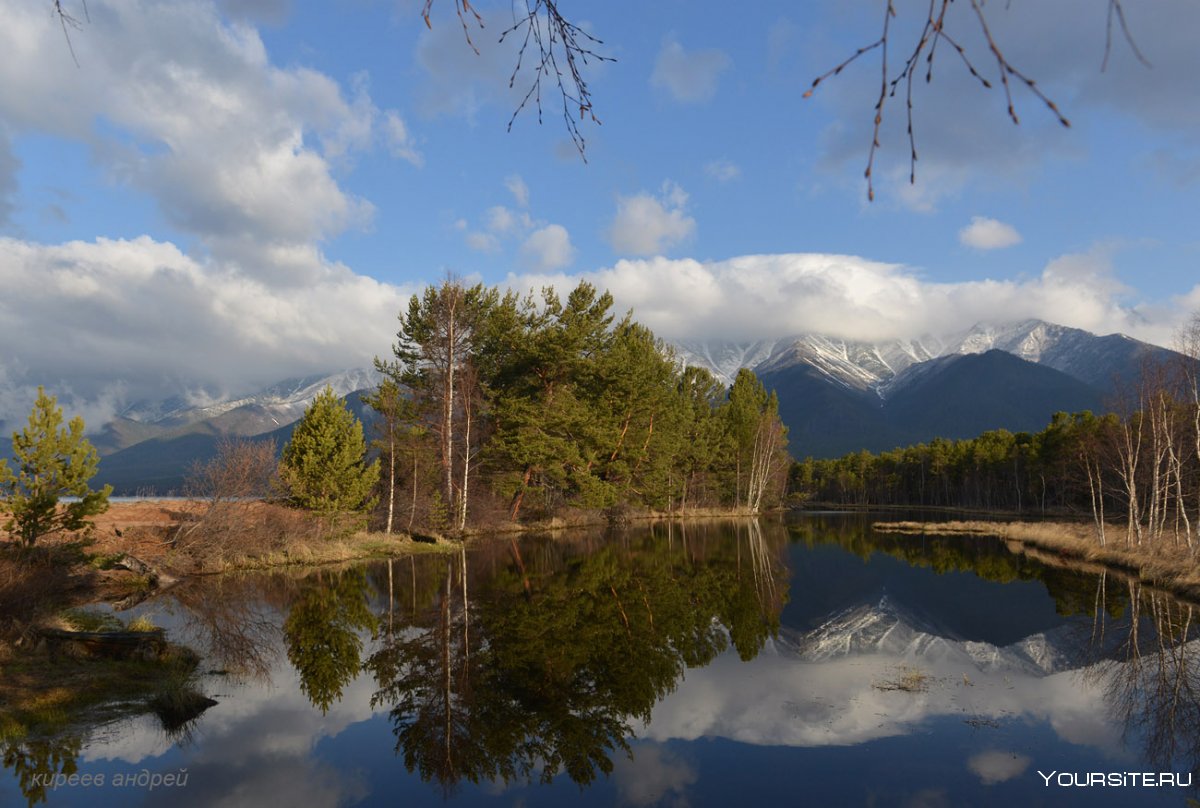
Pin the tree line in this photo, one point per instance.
(1137, 467)
(499, 406)
(493, 406)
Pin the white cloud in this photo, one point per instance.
(548, 249)
(483, 242)
(504, 221)
(180, 103)
(459, 80)
(996, 767)
(652, 775)
(650, 225)
(963, 134)
(399, 141)
(9, 165)
(763, 296)
(689, 77)
(723, 170)
(139, 318)
(988, 234)
(517, 187)
(271, 12)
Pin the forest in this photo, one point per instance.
(496, 406)
(1137, 467)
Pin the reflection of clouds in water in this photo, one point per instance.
(263, 781)
(653, 777)
(782, 700)
(254, 748)
(995, 766)
(928, 798)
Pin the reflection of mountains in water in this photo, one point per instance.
(889, 629)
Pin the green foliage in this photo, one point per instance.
(492, 691)
(322, 635)
(997, 469)
(556, 403)
(324, 464)
(53, 461)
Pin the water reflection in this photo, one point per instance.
(600, 659)
(1151, 680)
(546, 664)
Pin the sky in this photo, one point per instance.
(202, 197)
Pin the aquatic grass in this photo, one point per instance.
(142, 623)
(87, 620)
(43, 694)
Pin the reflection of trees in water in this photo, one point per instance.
(509, 681)
(1151, 678)
(33, 760)
(229, 621)
(322, 633)
(1072, 590)
(1141, 646)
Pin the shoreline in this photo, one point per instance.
(141, 529)
(1171, 569)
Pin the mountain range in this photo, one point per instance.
(836, 396)
(839, 396)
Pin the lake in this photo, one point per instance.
(806, 661)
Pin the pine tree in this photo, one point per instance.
(324, 463)
(52, 462)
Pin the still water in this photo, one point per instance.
(803, 662)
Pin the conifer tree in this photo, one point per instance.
(52, 461)
(324, 464)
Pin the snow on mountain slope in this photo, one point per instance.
(725, 359)
(277, 405)
(864, 366)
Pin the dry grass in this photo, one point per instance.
(40, 694)
(1161, 563)
(910, 680)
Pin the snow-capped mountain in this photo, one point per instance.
(880, 367)
(277, 405)
(886, 628)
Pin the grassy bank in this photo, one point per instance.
(1172, 568)
(186, 538)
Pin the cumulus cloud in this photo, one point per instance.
(108, 322)
(653, 776)
(988, 234)
(185, 105)
(9, 165)
(548, 249)
(723, 170)
(400, 141)
(647, 224)
(267, 11)
(995, 767)
(542, 246)
(517, 187)
(963, 134)
(689, 77)
(764, 296)
(460, 80)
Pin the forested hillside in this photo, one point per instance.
(499, 406)
(1140, 466)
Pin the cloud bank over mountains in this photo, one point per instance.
(111, 321)
(761, 296)
(243, 161)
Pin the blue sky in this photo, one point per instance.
(221, 194)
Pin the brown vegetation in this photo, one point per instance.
(1164, 565)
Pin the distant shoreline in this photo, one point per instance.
(1170, 568)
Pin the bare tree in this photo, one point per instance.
(920, 58)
